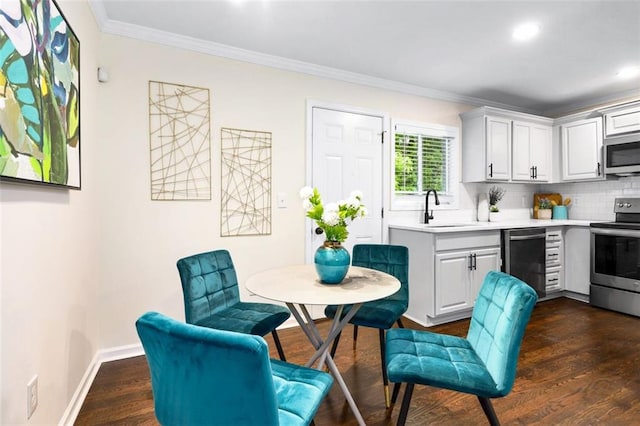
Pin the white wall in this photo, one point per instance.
(50, 267)
(142, 239)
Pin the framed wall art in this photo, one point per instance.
(39, 95)
(179, 138)
(246, 183)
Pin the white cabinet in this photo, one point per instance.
(622, 119)
(446, 271)
(498, 142)
(554, 260)
(577, 262)
(459, 275)
(531, 152)
(490, 136)
(582, 150)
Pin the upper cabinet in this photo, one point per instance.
(498, 147)
(531, 152)
(582, 150)
(622, 119)
(502, 145)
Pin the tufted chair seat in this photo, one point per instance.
(483, 363)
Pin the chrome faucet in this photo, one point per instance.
(428, 215)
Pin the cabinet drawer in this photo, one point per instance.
(554, 280)
(554, 237)
(553, 256)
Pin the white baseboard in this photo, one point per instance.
(105, 355)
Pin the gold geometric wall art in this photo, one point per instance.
(179, 138)
(245, 183)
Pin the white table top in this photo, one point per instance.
(300, 284)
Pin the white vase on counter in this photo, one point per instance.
(483, 208)
(495, 216)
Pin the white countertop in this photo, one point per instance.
(444, 227)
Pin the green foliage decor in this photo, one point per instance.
(332, 218)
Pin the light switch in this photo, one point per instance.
(282, 200)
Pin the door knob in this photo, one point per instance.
(318, 231)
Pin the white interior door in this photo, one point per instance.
(346, 156)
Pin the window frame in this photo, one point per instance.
(416, 201)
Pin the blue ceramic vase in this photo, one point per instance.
(332, 262)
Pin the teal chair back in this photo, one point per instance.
(394, 260)
(209, 284)
(500, 316)
(202, 376)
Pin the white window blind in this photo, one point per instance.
(425, 157)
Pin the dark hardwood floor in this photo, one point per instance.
(579, 365)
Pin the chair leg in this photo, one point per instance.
(394, 394)
(355, 336)
(383, 361)
(487, 407)
(406, 401)
(276, 339)
(400, 323)
(334, 347)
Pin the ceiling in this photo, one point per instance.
(451, 50)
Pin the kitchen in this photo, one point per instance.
(558, 262)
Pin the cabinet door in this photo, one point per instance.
(582, 150)
(623, 121)
(541, 138)
(452, 282)
(531, 151)
(485, 260)
(577, 242)
(522, 164)
(498, 140)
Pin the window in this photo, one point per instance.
(425, 157)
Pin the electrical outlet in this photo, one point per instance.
(32, 396)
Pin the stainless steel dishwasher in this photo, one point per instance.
(523, 256)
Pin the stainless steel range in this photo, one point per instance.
(615, 259)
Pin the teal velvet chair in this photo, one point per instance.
(202, 376)
(212, 299)
(483, 364)
(383, 313)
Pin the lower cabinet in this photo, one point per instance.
(446, 271)
(577, 257)
(459, 275)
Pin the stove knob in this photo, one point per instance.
(627, 205)
(620, 205)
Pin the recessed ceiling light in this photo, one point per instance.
(628, 72)
(526, 31)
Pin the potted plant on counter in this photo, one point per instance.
(544, 208)
(495, 195)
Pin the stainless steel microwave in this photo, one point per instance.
(622, 155)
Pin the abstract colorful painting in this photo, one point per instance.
(179, 135)
(246, 183)
(39, 94)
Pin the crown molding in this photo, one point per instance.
(594, 103)
(119, 28)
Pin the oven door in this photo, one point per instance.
(615, 258)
